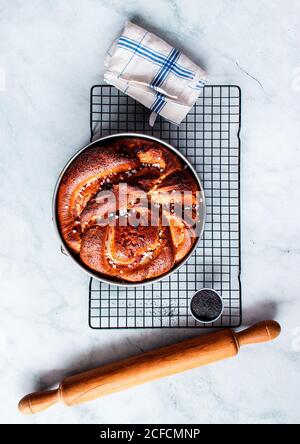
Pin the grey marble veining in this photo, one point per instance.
(50, 54)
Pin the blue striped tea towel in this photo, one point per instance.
(148, 69)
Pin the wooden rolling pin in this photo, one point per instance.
(149, 366)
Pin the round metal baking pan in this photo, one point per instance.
(202, 211)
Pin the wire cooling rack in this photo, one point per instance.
(209, 138)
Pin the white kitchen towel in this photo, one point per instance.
(145, 67)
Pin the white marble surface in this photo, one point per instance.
(51, 52)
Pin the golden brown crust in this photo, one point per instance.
(138, 251)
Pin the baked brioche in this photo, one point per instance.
(90, 210)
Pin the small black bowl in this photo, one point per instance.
(206, 306)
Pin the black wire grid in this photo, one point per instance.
(209, 138)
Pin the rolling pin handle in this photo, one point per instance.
(39, 401)
(262, 332)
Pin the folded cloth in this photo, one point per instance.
(160, 77)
